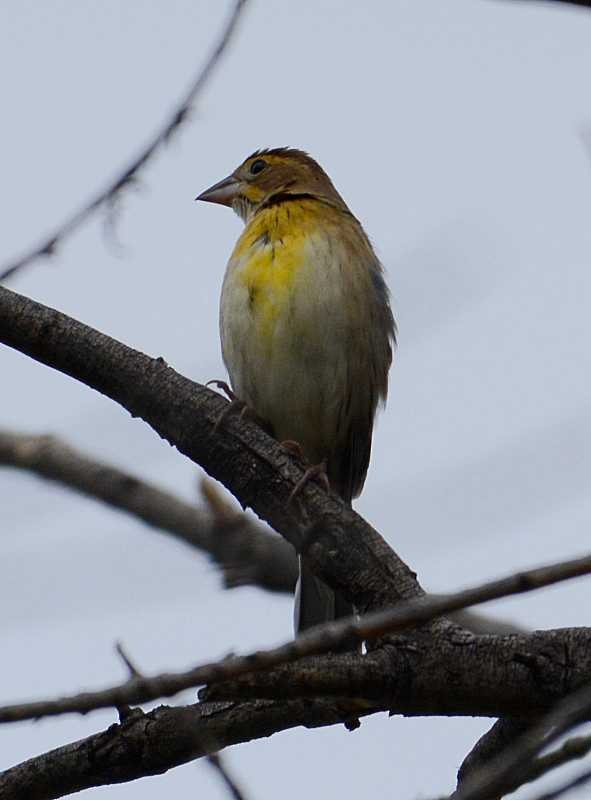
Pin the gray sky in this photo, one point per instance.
(452, 129)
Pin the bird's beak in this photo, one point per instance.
(224, 192)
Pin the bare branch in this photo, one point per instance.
(575, 783)
(153, 743)
(246, 552)
(583, 3)
(141, 689)
(339, 545)
(131, 667)
(107, 196)
(514, 766)
(497, 739)
(573, 749)
(219, 765)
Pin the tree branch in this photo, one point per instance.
(494, 741)
(358, 673)
(529, 674)
(583, 3)
(574, 783)
(343, 549)
(347, 552)
(107, 196)
(150, 744)
(245, 551)
(219, 766)
(515, 765)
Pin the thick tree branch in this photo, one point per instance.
(153, 743)
(442, 672)
(344, 550)
(107, 196)
(530, 674)
(245, 551)
(347, 552)
(361, 674)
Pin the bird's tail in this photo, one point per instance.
(315, 602)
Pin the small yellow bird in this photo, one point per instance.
(306, 326)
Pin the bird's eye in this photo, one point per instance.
(257, 166)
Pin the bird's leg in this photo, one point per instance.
(315, 472)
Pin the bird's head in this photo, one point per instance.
(270, 176)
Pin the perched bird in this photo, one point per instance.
(306, 326)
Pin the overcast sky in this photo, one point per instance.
(452, 128)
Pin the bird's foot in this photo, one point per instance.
(235, 406)
(316, 472)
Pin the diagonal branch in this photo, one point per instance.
(245, 551)
(575, 748)
(108, 194)
(582, 779)
(339, 544)
(583, 3)
(229, 782)
(518, 762)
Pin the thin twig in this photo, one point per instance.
(583, 3)
(133, 670)
(107, 195)
(574, 748)
(220, 767)
(575, 783)
(323, 639)
(124, 710)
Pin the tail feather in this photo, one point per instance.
(315, 602)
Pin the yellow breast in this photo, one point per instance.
(271, 253)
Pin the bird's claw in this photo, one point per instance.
(224, 388)
(315, 472)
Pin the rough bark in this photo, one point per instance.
(150, 744)
(342, 547)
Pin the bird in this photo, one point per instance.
(306, 328)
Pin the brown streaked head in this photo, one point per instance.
(269, 176)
